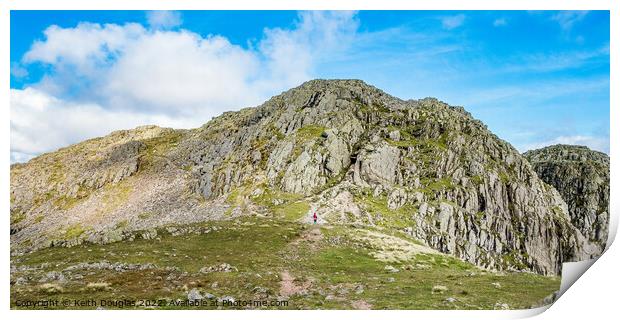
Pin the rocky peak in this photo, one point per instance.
(564, 152)
(581, 176)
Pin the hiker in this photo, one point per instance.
(314, 217)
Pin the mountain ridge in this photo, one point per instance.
(341, 148)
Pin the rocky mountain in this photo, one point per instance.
(581, 176)
(341, 148)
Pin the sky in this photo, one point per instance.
(535, 78)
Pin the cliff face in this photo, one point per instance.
(341, 148)
(582, 178)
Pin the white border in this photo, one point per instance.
(598, 285)
(312, 4)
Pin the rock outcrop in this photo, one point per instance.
(581, 176)
(347, 150)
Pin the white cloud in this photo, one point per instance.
(83, 49)
(182, 73)
(567, 19)
(499, 22)
(592, 142)
(452, 22)
(291, 54)
(41, 122)
(163, 19)
(109, 77)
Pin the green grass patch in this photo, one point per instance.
(145, 215)
(309, 132)
(292, 211)
(383, 215)
(115, 195)
(270, 196)
(504, 177)
(65, 202)
(403, 143)
(74, 231)
(157, 147)
(121, 224)
(348, 267)
(17, 217)
(435, 185)
(477, 180)
(261, 249)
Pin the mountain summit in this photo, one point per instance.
(581, 176)
(342, 149)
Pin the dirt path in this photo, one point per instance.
(361, 305)
(312, 237)
(288, 287)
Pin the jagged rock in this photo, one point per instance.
(582, 178)
(501, 306)
(224, 267)
(105, 265)
(256, 156)
(194, 294)
(395, 135)
(338, 155)
(359, 289)
(257, 192)
(304, 174)
(397, 199)
(391, 269)
(377, 166)
(149, 234)
(20, 281)
(549, 299)
(53, 276)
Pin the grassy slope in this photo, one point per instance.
(331, 265)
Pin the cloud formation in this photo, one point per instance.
(163, 19)
(452, 22)
(108, 77)
(102, 77)
(568, 18)
(40, 121)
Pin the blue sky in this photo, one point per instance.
(535, 78)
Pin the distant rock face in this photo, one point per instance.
(581, 176)
(351, 152)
